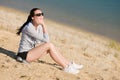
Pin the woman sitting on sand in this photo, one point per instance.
(34, 32)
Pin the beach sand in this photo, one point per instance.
(100, 57)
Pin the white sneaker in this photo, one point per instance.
(19, 59)
(26, 62)
(71, 69)
(77, 66)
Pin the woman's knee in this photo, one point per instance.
(50, 44)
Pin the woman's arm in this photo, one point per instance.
(45, 32)
(30, 30)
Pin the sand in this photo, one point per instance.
(100, 59)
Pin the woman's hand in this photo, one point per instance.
(43, 26)
(42, 22)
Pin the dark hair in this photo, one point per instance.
(28, 20)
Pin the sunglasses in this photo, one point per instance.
(39, 14)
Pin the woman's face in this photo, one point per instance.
(38, 17)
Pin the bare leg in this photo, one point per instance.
(38, 51)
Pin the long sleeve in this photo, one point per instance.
(37, 35)
(31, 37)
(46, 37)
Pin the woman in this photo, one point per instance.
(34, 32)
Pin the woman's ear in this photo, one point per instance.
(32, 18)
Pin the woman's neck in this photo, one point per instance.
(35, 25)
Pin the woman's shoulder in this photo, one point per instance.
(28, 26)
